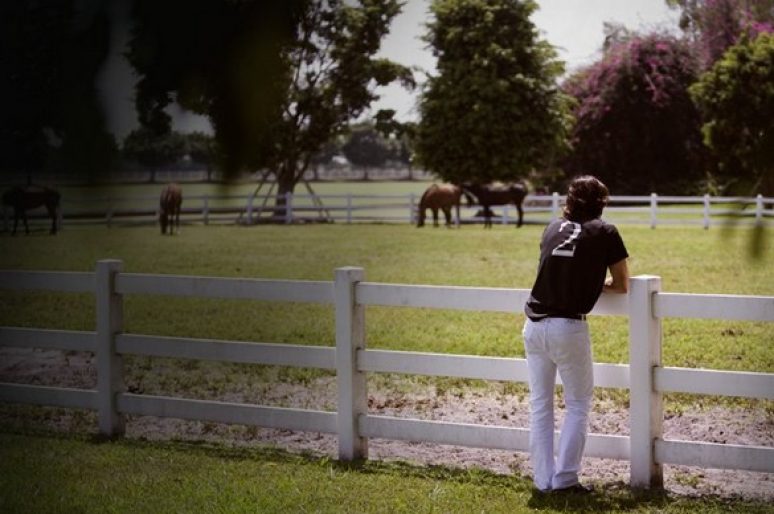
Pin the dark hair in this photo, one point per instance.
(586, 198)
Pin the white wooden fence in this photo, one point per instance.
(646, 379)
(652, 210)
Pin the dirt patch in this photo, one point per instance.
(489, 406)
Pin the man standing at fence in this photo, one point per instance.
(575, 253)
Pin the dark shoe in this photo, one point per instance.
(575, 489)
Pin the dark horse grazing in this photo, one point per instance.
(169, 213)
(30, 197)
(439, 196)
(488, 195)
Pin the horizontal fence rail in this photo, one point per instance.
(228, 351)
(350, 294)
(401, 208)
(224, 412)
(233, 288)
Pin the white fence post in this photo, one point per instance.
(206, 210)
(349, 208)
(288, 207)
(645, 407)
(555, 205)
(505, 215)
(351, 383)
(759, 209)
(653, 208)
(109, 364)
(706, 211)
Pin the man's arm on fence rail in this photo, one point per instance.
(619, 281)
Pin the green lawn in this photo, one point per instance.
(72, 474)
(688, 260)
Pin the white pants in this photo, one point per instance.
(564, 344)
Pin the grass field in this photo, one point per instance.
(688, 260)
(81, 476)
(73, 474)
(372, 200)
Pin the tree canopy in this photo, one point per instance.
(366, 147)
(736, 99)
(51, 53)
(492, 111)
(716, 25)
(636, 126)
(223, 60)
(277, 79)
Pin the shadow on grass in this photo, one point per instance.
(616, 497)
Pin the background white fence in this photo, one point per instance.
(646, 379)
(652, 210)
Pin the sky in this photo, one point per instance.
(574, 27)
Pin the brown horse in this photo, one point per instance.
(169, 213)
(490, 194)
(30, 197)
(439, 196)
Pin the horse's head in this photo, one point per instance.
(470, 196)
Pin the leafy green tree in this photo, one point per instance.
(277, 79)
(492, 111)
(736, 99)
(152, 150)
(201, 148)
(366, 148)
(222, 59)
(51, 53)
(636, 125)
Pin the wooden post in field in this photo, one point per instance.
(554, 205)
(110, 322)
(706, 211)
(653, 208)
(350, 337)
(645, 407)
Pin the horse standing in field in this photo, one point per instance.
(21, 199)
(169, 213)
(488, 195)
(439, 196)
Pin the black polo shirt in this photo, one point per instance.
(574, 258)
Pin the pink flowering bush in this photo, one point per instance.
(716, 25)
(635, 124)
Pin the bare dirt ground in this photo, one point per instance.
(491, 406)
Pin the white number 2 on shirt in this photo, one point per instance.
(567, 247)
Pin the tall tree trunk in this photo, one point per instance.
(285, 184)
